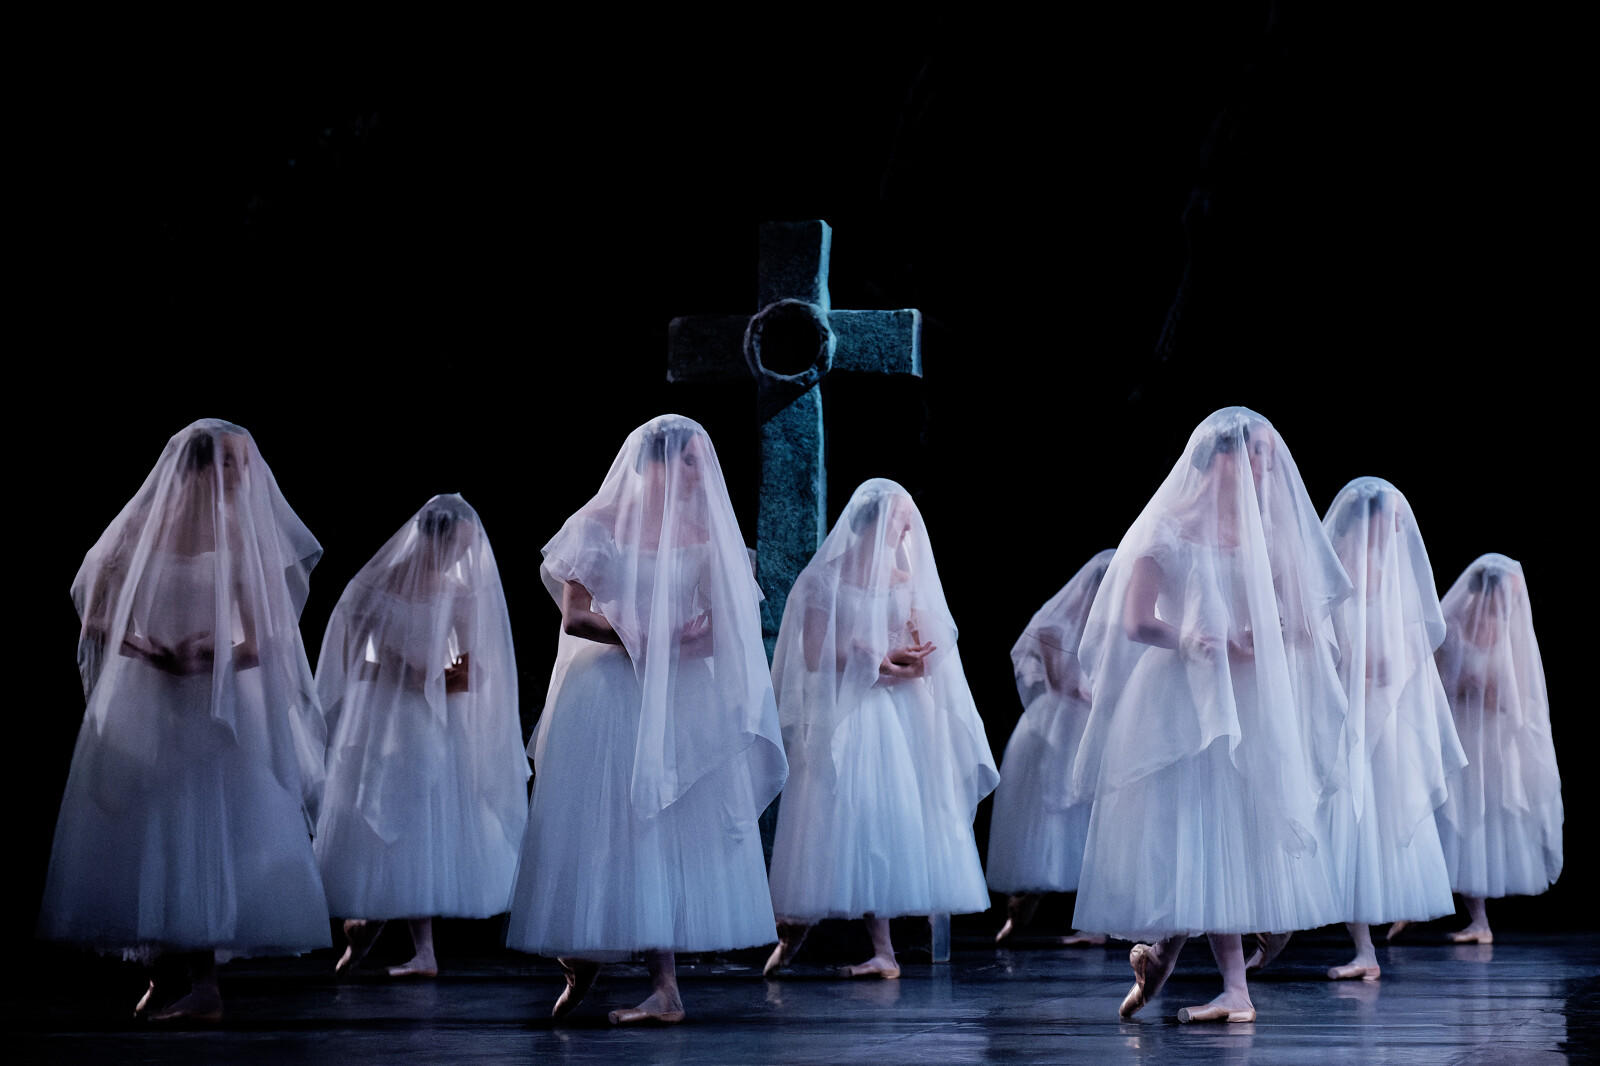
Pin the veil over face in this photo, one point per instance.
(1045, 662)
(427, 615)
(659, 550)
(871, 588)
(1248, 582)
(204, 572)
(1388, 630)
(1493, 675)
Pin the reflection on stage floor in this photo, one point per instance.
(1525, 998)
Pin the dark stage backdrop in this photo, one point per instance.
(447, 264)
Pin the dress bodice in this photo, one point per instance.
(1201, 582)
(1476, 669)
(858, 609)
(426, 634)
(177, 599)
(689, 570)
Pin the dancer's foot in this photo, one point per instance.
(147, 1002)
(1395, 929)
(1020, 909)
(1350, 971)
(779, 958)
(360, 936)
(420, 965)
(1228, 1007)
(790, 936)
(203, 1004)
(877, 966)
(1151, 968)
(661, 1008)
(1477, 930)
(1083, 940)
(581, 974)
(1365, 965)
(1268, 946)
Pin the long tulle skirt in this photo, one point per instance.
(406, 829)
(1386, 879)
(596, 879)
(1034, 845)
(1493, 849)
(202, 848)
(1189, 849)
(876, 833)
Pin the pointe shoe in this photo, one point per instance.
(1020, 910)
(1134, 1001)
(638, 1015)
(867, 969)
(1472, 936)
(779, 958)
(1083, 940)
(142, 1008)
(191, 1009)
(359, 937)
(1268, 947)
(1352, 971)
(790, 936)
(1216, 1013)
(580, 979)
(1395, 929)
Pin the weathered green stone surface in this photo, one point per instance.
(793, 262)
(794, 501)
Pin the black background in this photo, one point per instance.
(419, 259)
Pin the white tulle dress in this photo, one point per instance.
(426, 798)
(1501, 826)
(1207, 761)
(885, 773)
(1400, 739)
(1036, 836)
(653, 759)
(184, 822)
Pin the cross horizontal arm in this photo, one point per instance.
(883, 342)
(707, 348)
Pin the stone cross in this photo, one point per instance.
(790, 344)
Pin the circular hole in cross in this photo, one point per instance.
(790, 338)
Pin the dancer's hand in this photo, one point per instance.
(695, 637)
(194, 654)
(456, 675)
(245, 656)
(908, 661)
(1196, 646)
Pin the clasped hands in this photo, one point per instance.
(1200, 646)
(192, 654)
(695, 635)
(907, 661)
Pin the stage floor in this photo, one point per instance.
(1530, 998)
